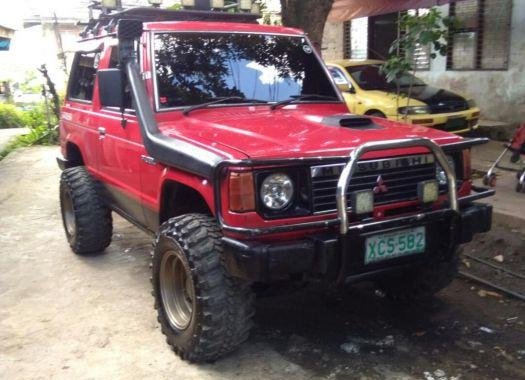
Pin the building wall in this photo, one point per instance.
(499, 94)
(332, 45)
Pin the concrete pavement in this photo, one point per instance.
(509, 206)
(64, 316)
(8, 134)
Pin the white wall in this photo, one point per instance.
(499, 94)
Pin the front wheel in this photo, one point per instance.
(87, 220)
(421, 282)
(203, 311)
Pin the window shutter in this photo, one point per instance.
(482, 41)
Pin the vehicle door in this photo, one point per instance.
(120, 150)
(77, 118)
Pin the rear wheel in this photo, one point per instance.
(87, 220)
(422, 282)
(203, 311)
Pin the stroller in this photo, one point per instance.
(517, 147)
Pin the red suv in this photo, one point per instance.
(229, 142)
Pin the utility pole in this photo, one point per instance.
(58, 38)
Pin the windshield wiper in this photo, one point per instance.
(220, 100)
(297, 98)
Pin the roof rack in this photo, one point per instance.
(108, 21)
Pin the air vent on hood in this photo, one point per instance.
(350, 121)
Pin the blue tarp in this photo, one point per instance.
(4, 43)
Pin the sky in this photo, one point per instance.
(18, 9)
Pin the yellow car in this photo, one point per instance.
(367, 92)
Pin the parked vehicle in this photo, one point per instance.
(229, 142)
(367, 92)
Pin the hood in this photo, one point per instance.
(437, 99)
(304, 130)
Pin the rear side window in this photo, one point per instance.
(83, 75)
(338, 76)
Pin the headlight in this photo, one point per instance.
(276, 191)
(413, 110)
(471, 103)
(441, 176)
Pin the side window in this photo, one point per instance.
(338, 76)
(83, 76)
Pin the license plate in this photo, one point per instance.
(456, 123)
(395, 244)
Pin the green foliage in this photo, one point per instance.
(41, 132)
(32, 84)
(416, 31)
(11, 116)
(37, 116)
(431, 29)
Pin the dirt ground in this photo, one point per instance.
(64, 316)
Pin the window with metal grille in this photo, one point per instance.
(356, 38)
(482, 40)
(421, 55)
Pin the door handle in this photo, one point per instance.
(101, 132)
(148, 160)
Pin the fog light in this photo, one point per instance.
(362, 201)
(427, 191)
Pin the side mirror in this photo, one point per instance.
(110, 87)
(346, 87)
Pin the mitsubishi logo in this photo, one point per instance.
(381, 187)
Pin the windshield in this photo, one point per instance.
(370, 77)
(194, 68)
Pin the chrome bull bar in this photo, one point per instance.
(350, 168)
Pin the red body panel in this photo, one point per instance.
(290, 132)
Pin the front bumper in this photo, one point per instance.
(341, 258)
(470, 119)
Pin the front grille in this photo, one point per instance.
(448, 106)
(453, 125)
(400, 175)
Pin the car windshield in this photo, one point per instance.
(194, 68)
(370, 77)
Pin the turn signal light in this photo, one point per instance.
(242, 193)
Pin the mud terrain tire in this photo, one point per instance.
(87, 220)
(204, 312)
(422, 282)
